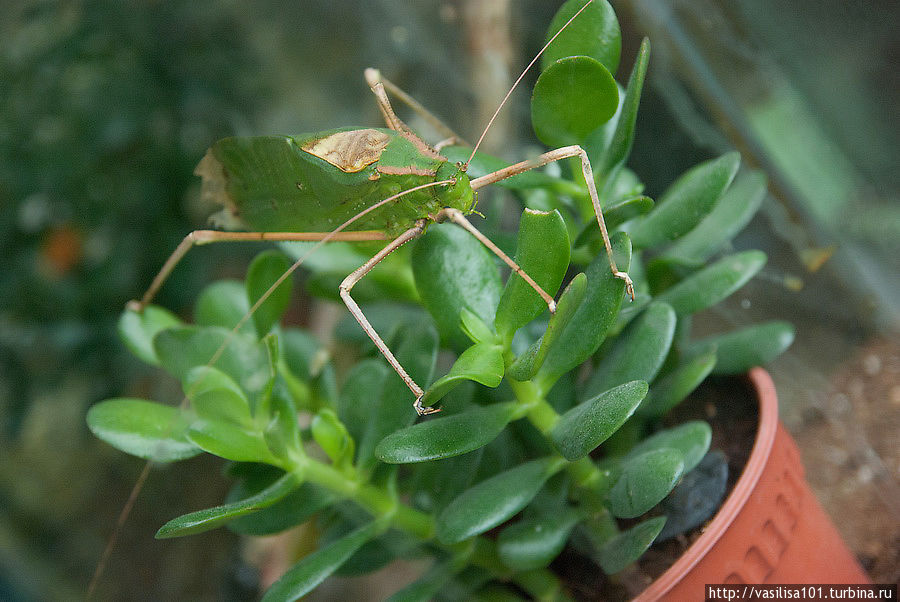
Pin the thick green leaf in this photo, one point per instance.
(332, 436)
(475, 328)
(142, 428)
(710, 285)
(594, 33)
(589, 424)
(740, 350)
(527, 364)
(729, 216)
(595, 145)
(630, 311)
(638, 353)
(446, 437)
(542, 251)
(304, 576)
(390, 279)
(244, 360)
(216, 397)
(665, 272)
(230, 442)
(691, 439)
(264, 271)
(585, 331)
(618, 150)
(646, 479)
(626, 547)
(613, 217)
(359, 397)
(686, 202)
(385, 316)
(295, 508)
(223, 303)
(553, 496)
(138, 329)
(303, 353)
(674, 387)
(571, 98)
(491, 502)
(482, 363)
(281, 431)
(438, 483)
(377, 553)
(210, 518)
(453, 270)
(625, 185)
(392, 408)
(206, 378)
(305, 366)
(534, 543)
(222, 405)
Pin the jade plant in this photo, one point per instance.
(550, 434)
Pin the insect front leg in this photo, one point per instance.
(354, 308)
(202, 237)
(456, 216)
(549, 157)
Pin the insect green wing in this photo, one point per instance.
(315, 182)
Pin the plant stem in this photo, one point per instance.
(542, 584)
(542, 415)
(375, 500)
(593, 483)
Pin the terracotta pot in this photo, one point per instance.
(771, 528)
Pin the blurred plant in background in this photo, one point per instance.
(104, 109)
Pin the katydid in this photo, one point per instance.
(357, 184)
(351, 184)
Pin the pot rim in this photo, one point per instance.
(759, 456)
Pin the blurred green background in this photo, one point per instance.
(106, 107)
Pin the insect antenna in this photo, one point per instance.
(516, 83)
(139, 485)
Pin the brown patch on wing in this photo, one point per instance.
(349, 151)
(406, 171)
(213, 188)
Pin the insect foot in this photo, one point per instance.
(135, 306)
(629, 285)
(424, 410)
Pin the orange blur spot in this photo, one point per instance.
(62, 248)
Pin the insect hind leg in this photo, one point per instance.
(380, 86)
(202, 237)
